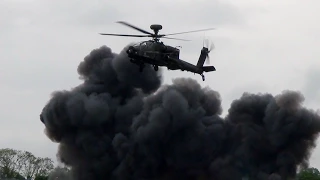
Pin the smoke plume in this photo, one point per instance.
(123, 124)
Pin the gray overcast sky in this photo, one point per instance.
(261, 46)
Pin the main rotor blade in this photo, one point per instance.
(127, 35)
(134, 27)
(190, 31)
(176, 39)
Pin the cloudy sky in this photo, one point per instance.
(260, 46)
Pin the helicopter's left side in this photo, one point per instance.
(151, 47)
(151, 52)
(155, 53)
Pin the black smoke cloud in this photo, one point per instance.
(122, 124)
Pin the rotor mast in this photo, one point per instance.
(156, 28)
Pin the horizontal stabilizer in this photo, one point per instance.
(208, 68)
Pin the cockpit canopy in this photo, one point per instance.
(158, 47)
(144, 44)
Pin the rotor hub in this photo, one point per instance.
(156, 27)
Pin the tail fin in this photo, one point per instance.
(203, 56)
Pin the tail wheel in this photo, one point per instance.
(203, 78)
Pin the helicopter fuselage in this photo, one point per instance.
(152, 52)
(155, 53)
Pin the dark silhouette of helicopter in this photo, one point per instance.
(156, 53)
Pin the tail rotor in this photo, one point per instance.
(210, 46)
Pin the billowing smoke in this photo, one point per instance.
(122, 124)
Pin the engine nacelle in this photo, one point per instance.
(173, 52)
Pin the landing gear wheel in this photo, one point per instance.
(156, 68)
(203, 79)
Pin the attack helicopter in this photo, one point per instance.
(156, 53)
